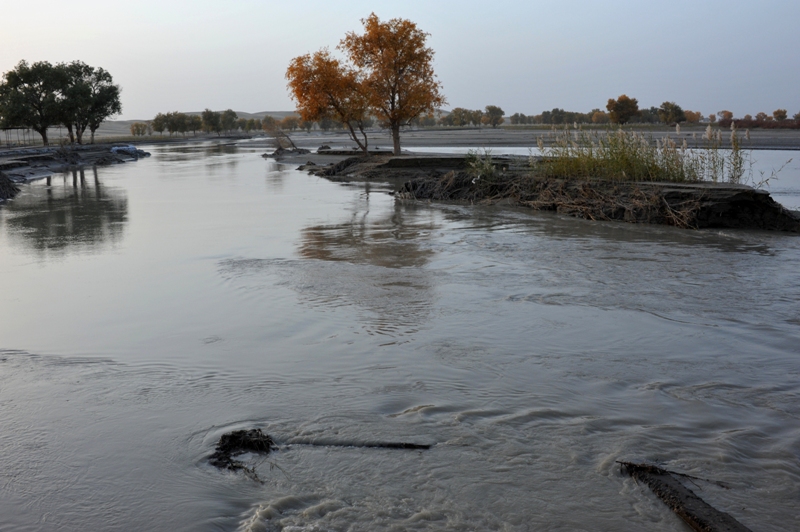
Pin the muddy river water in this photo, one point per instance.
(148, 308)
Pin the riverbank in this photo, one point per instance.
(694, 205)
(29, 164)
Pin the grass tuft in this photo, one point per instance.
(630, 156)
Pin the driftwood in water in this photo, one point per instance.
(698, 514)
(239, 442)
(367, 445)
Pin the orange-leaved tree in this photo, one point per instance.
(622, 109)
(397, 71)
(325, 88)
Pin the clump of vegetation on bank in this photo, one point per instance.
(631, 156)
(618, 175)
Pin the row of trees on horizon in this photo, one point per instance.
(668, 113)
(624, 110)
(228, 122)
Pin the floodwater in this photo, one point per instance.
(151, 307)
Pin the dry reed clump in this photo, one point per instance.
(631, 156)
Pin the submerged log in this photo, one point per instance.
(698, 514)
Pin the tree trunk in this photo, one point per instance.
(43, 133)
(396, 138)
(354, 136)
(71, 134)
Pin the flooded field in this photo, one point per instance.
(151, 307)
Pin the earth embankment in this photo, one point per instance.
(686, 205)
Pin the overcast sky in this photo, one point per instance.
(525, 56)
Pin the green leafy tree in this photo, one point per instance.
(31, 96)
(212, 122)
(518, 119)
(493, 116)
(621, 110)
(177, 122)
(671, 113)
(159, 123)
(77, 98)
(194, 123)
(228, 120)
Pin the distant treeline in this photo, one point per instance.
(597, 116)
(621, 110)
(228, 122)
(624, 110)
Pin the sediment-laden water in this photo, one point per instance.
(154, 306)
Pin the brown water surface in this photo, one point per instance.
(157, 305)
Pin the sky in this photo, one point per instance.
(525, 56)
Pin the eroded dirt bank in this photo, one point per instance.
(24, 165)
(686, 205)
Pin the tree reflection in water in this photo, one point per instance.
(59, 216)
(390, 241)
(373, 264)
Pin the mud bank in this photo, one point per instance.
(686, 205)
(25, 165)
